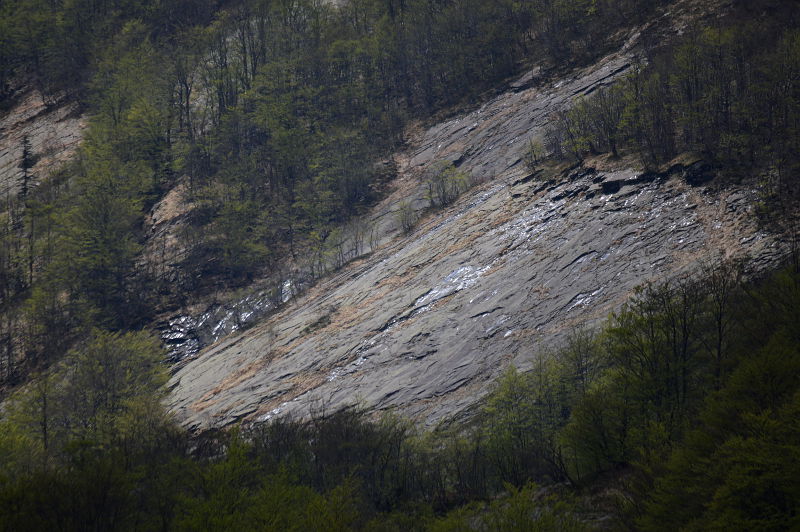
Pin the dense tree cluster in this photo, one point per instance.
(729, 92)
(58, 43)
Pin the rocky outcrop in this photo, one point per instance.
(426, 321)
(53, 130)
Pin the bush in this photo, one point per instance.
(405, 216)
(445, 183)
(534, 155)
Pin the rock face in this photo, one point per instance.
(424, 323)
(184, 334)
(54, 132)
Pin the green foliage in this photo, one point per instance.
(99, 246)
(739, 467)
(521, 510)
(277, 111)
(79, 438)
(726, 92)
(523, 416)
(106, 391)
(445, 183)
(233, 495)
(56, 43)
(87, 445)
(534, 155)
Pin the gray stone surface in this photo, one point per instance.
(425, 322)
(54, 133)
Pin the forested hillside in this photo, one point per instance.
(276, 111)
(279, 119)
(680, 413)
(727, 91)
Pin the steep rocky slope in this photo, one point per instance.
(53, 129)
(426, 321)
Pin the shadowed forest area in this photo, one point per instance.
(680, 412)
(683, 407)
(728, 92)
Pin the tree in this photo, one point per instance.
(81, 436)
(106, 377)
(581, 360)
(523, 416)
(26, 163)
(445, 183)
(605, 114)
(741, 469)
(533, 155)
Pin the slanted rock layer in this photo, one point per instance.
(427, 321)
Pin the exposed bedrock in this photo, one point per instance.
(53, 133)
(424, 323)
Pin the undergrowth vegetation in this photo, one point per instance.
(686, 399)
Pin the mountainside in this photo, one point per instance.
(419, 265)
(426, 322)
